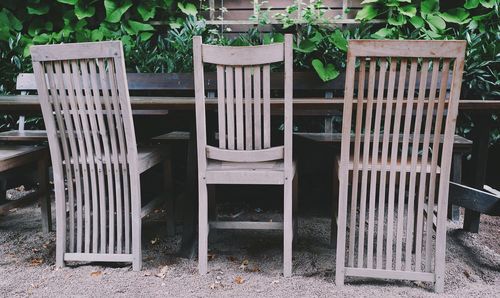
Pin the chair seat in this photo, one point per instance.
(399, 167)
(12, 156)
(268, 172)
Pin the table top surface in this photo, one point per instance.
(30, 102)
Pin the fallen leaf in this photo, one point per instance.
(211, 257)
(147, 273)
(232, 259)
(163, 272)
(96, 274)
(244, 264)
(36, 261)
(154, 241)
(255, 269)
(35, 250)
(467, 273)
(239, 280)
(157, 211)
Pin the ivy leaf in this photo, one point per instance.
(327, 73)
(367, 13)
(398, 20)
(382, 33)
(96, 35)
(436, 22)
(429, 6)
(38, 9)
(188, 9)
(145, 36)
(408, 10)
(338, 39)
(115, 10)
(488, 3)
(83, 10)
(471, 4)
(456, 15)
(176, 23)
(41, 39)
(417, 22)
(147, 11)
(70, 2)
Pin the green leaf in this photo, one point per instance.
(456, 15)
(327, 73)
(41, 39)
(338, 39)
(436, 22)
(471, 4)
(115, 9)
(429, 6)
(176, 23)
(306, 46)
(488, 3)
(4, 26)
(147, 11)
(134, 28)
(97, 35)
(408, 10)
(367, 13)
(145, 36)
(382, 33)
(83, 10)
(70, 2)
(38, 9)
(397, 20)
(188, 9)
(417, 22)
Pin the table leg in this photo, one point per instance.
(189, 205)
(454, 211)
(481, 135)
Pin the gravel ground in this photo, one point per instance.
(242, 264)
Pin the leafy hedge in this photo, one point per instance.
(157, 34)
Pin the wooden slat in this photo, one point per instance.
(248, 108)
(221, 106)
(356, 158)
(267, 154)
(230, 107)
(267, 105)
(413, 174)
(407, 48)
(404, 158)
(396, 129)
(238, 86)
(376, 273)
(375, 154)
(246, 225)
(257, 95)
(69, 51)
(422, 193)
(364, 175)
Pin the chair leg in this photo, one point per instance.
(288, 228)
(335, 200)
(295, 206)
(43, 189)
(136, 224)
(202, 227)
(168, 189)
(3, 190)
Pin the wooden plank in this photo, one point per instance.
(257, 98)
(380, 273)
(221, 109)
(71, 51)
(273, 153)
(254, 55)
(238, 86)
(248, 108)
(230, 107)
(246, 225)
(407, 48)
(480, 201)
(98, 257)
(267, 105)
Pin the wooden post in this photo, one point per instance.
(481, 135)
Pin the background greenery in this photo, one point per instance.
(157, 34)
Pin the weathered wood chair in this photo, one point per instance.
(245, 154)
(96, 163)
(412, 172)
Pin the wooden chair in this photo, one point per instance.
(245, 154)
(398, 181)
(96, 163)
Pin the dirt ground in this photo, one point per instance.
(243, 264)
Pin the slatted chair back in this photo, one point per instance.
(244, 102)
(399, 102)
(86, 108)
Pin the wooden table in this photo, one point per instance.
(480, 111)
